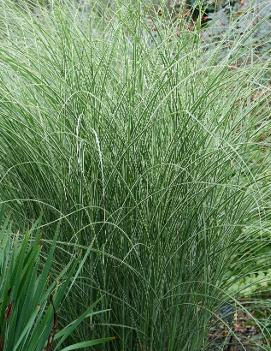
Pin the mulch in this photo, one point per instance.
(243, 335)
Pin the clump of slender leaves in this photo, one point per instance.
(31, 297)
(137, 136)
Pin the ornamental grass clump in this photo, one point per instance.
(137, 136)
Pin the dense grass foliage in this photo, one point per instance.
(137, 137)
